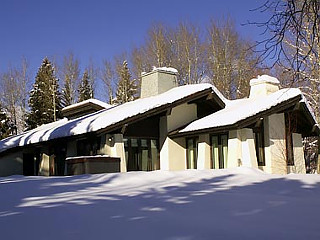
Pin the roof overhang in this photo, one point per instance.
(281, 107)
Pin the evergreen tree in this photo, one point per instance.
(45, 99)
(4, 124)
(127, 88)
(67, 98)
(85, 88)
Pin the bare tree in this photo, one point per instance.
(108, 80)
(295, 24)
(230, 61)
(188, 54)
(14, 95)
(158, 46)
(93, 73)
(70, 72)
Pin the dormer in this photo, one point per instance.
(84, 108)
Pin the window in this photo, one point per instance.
(259, 143)
(219, 151)
(289, 142)
(89, 146)
(141, 154)
(192, 153)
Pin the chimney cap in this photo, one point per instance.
(169, 70)
(264, 79)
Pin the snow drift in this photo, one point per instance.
(239, 203)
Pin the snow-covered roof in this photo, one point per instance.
(104, 118)
(91, 100)
(165, 69)
(237, 110)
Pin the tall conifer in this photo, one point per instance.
(85, 88)
(127, 88)
(45, 98)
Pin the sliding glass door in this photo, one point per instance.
(192, 153)
(219, 151)
(142, 154)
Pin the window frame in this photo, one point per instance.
(221, 158)
(195, 141)
(259, 143)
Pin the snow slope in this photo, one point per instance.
(240, 203)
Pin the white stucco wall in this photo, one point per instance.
(173, 151)
(241, 148)
(181, 115)
(114, 147)
(299, 162)
(204, 155)
(275, 144)
(234, 149)
(11, 164)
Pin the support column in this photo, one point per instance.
(298, 153)
(204, 152)
(118, 151)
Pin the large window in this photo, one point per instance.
(89, 146)
(259, 143)
(192, 153)
(219, 151)
(141, 154)
(289, 120)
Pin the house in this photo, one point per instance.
(171, 128)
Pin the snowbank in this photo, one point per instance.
(240, 203)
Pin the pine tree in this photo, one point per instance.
(45, 98)
(85, 88)
(127, 88)
(67, 98)
(4, 124)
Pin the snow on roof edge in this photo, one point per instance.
(228, 116)
(91, 100)
(101, 119)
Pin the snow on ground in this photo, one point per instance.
(240, 203)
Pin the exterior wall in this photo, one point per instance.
(114, 147)
(176, 153)
(234, 149)
(181, 115)
(204, 155)
(298, 152)
(173, 151)
(11, 164)
(275, 144)
(241, 148)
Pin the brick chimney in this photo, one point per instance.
(263, 86)
(157, 81)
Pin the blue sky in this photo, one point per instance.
(97, 29)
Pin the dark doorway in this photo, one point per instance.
(28, 164)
